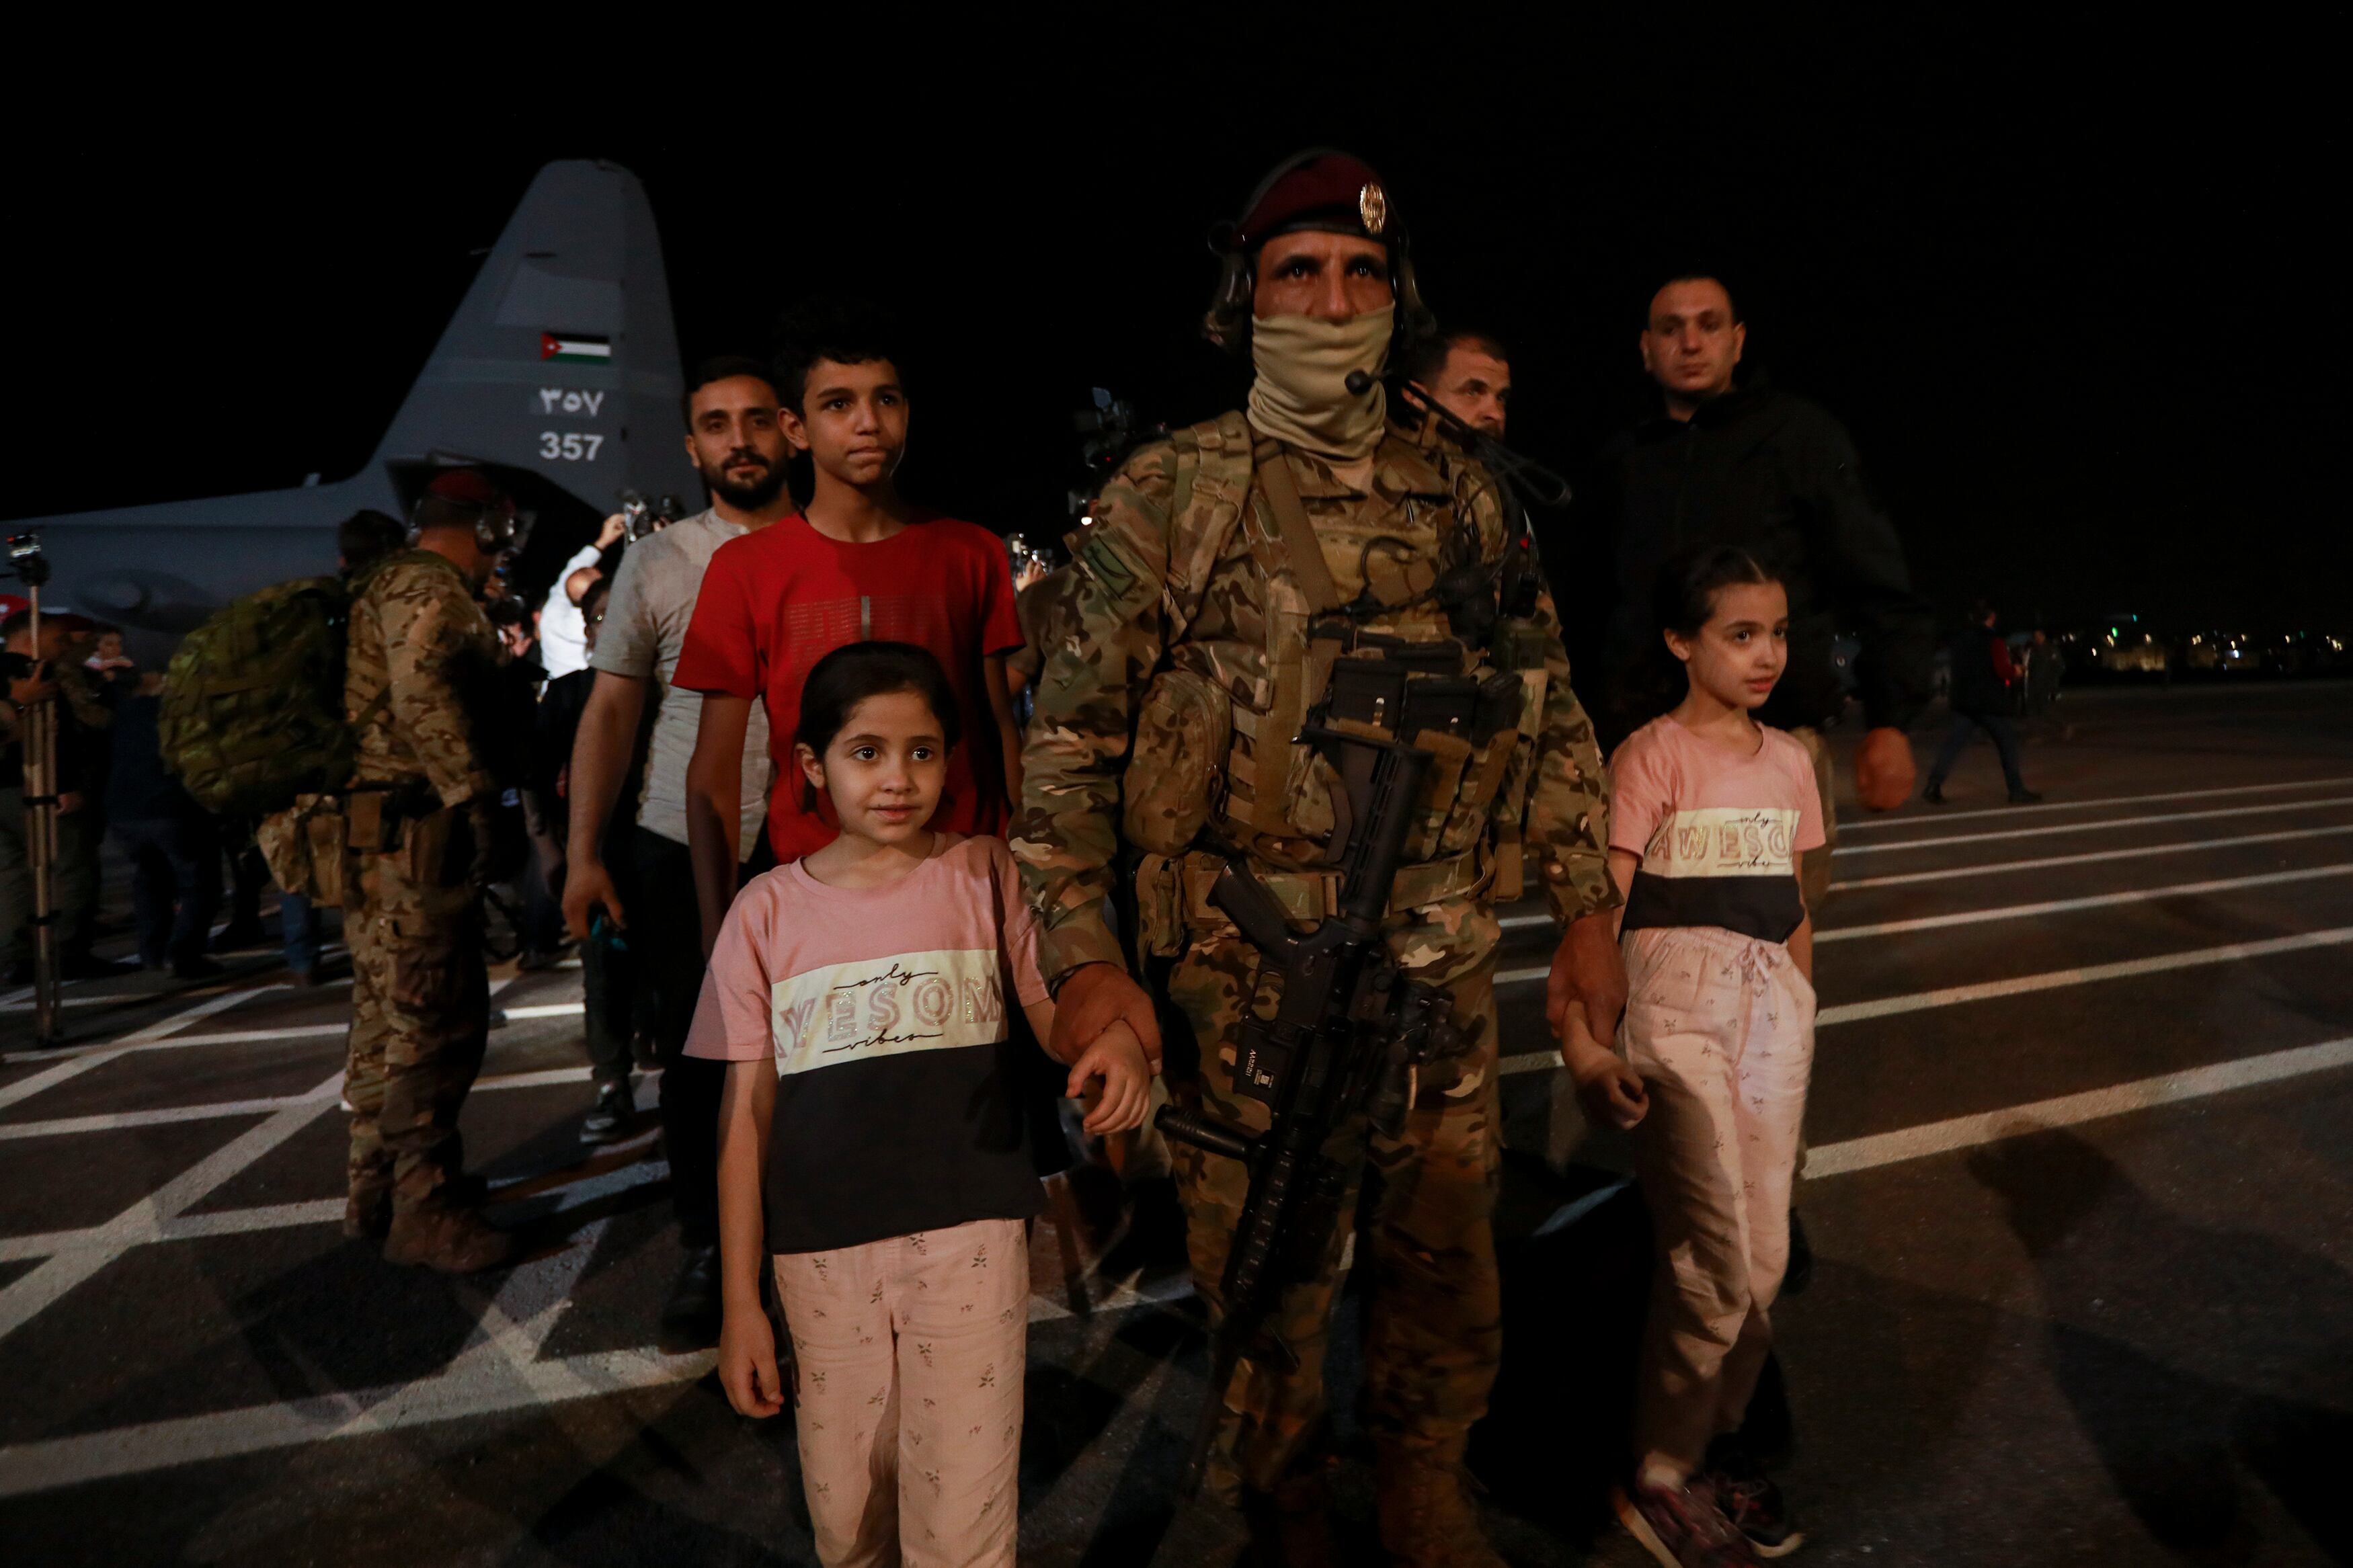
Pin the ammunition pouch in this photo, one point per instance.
(429, 845)
(307, 847)
(1183, 733)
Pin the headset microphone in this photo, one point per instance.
(1359, 383)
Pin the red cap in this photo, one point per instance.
(1320, 190)
(471, 487)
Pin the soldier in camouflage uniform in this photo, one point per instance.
(421, 675)
(1198, 631)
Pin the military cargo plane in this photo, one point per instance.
(559, 375)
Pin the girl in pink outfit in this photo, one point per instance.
(869, 1149)
(1710, 814)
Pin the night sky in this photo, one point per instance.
(2067, 289)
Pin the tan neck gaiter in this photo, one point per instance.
(1301, 396)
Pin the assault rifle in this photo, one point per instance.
(1345, 1039)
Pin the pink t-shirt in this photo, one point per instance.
(1719, 835)
(884, 1012)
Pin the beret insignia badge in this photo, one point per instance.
(1373, 207)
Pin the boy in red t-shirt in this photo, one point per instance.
(857, 564)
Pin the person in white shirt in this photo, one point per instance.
(563, 637)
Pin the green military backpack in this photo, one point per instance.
(253, 702)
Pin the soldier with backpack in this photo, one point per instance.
(422, 831)
(354, 720)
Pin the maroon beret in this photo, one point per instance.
(471, 487)
(1324, 190)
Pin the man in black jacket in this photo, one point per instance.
(1739, 462)
(1985, 694)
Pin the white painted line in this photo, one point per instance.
(1967, 1131)
(68, 1125)
(475, 1384)
(1519, 922)
(499, 1371)
(1906, 878)
(225, 1037)
(1933, 814)
(113, 1240)
(2064, 906)
(2053, 980)
(547, 1010)
(2166, 1088)
(2100, 826)
(83, 1060)
(1987, 990)
(142, 998)
(22, 1299)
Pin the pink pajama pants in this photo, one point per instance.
(1721, 1026)
(908, 1391)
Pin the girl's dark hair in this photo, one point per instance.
(1682, 600)
(856, 671)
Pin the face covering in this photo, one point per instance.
(1301, 397)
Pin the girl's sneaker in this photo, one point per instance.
(1683, 1527)
(1750, 1499)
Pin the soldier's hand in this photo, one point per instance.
(31, 688)
(588, 887)
(747, 1363)
(69, 802)
(615, 526)
(1587, 974)
(1096, 997)
(1611, 1091)
(1115, 1061)
(1884, 769)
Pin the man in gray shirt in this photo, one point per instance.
(734, 438)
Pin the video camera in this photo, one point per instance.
(641, 518)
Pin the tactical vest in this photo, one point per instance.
(1255, 648)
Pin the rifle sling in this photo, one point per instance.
(1300, 546)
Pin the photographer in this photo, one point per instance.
(74, 895)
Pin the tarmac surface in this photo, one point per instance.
(2080, 1192)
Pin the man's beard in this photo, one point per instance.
(751, 497)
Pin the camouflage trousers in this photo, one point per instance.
(1434, 1334)
(420, 1022)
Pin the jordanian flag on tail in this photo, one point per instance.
(575, 347)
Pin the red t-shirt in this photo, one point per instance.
(775, 601)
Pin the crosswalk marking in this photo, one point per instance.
(2017, 985)
(2106, 825)
(1931, 813)
(1904, 878)
(2091, 901)
(2017, 1120)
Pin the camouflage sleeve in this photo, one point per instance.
(1566, 832)
(1108, 632)
(429, 638)
(1569, 808)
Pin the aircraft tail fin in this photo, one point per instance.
(560, 371)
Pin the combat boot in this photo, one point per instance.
(1291, 1527)
(447, 1240)
(367, 1212)
(1427, 1517)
